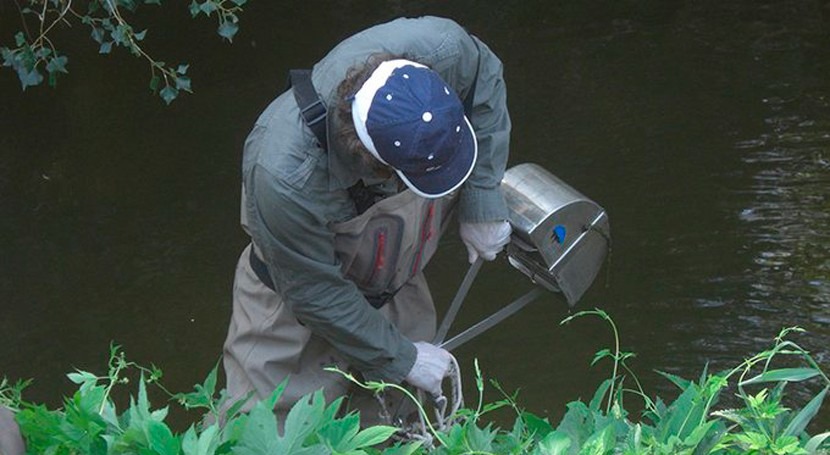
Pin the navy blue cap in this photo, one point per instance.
(411, 120)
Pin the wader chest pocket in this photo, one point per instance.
(370, 258)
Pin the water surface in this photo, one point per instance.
(702, 127)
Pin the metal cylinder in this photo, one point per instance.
(560, 237)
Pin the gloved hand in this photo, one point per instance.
(485, 239)
(431, 366)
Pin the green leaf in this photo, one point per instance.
(154, 85)
(816, 441)
(537, 425)
(182, 69)
(207, 7)
(82, 377)
(202, 395)
(338, 434)
(783, 374)
(209, 439)
(105, 48)
(301, 421)
(140, 35)
(8, 56)
(600, 355)
(194, 9)
(29, 78)
(161, 439)
(676, 380)
(578, 422)
(373, 436)
(168, 94)
(555, 443)
(803, 418)
(190, 442)
(97, 34)
(260, 434)
(600, 443)
(57, 64)
(227, 30)
(403, 449)
(596, 401)
(19, 39)
(183, 83)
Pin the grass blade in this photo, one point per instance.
(783, 374)
(800, 421)
(815, 442)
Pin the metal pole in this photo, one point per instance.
(456, 301)
(492, 320)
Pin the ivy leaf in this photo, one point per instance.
(98, 34)
(182, 69)
(8, 56)
(194, 9)
(57, 64)
(105, 48)
(154, 85)
(239, 2)
(19, 39)
(168, 94)
(140, 35)
(183, 83)
(227, 30)
(30, 78)
(207, 7)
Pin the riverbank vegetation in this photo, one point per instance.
(693, 422)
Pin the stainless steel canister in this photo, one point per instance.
(560, 237)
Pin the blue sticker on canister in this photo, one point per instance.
(559, 233)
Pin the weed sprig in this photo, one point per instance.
(90, 422)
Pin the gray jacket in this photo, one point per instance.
(295, 191)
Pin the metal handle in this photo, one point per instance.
(457, 300)
(492, 320)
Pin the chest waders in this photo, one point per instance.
(383, 250)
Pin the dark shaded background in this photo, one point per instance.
(701, 126)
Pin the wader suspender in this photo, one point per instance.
(314, 113)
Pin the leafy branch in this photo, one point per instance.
(35, 55)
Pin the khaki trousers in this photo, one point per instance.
(266, 344)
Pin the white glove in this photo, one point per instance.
(11, 443)
(485, 239)
(431, 366)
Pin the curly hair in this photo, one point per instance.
(346, 135)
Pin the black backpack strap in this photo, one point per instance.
(311, 106)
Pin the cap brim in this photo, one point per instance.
(452, 174)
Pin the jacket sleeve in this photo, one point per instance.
(481, 198)
(299, 250)
(460, 58)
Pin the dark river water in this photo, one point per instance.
(702, 127)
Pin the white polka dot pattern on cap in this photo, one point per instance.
(427, 117)
(363, 99)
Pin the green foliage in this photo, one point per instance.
(34, 54)
(89, 422)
